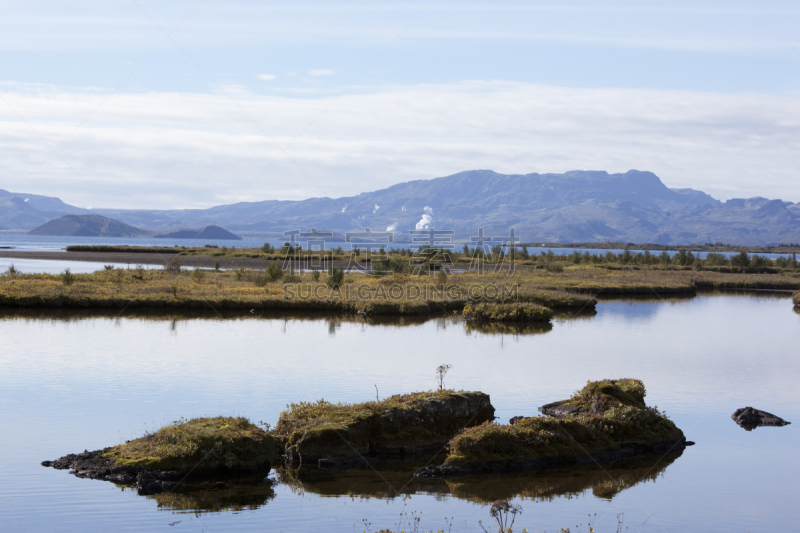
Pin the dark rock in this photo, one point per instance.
(750, 418)
(562, 409)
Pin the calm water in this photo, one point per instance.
(116, 377)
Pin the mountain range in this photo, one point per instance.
(577, 206)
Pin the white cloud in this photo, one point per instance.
(344, 208)
(426, 219)
(322, 72)
(266, 77)
(375, 209)
(142, 149)
(392, 227)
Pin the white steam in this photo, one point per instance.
(344, 209)
(375, 209)
(426, 219)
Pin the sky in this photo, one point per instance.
(146, 104)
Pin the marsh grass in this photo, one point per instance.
(572, 290)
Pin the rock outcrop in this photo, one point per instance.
(158, 461)
(605, 421)
(750, 418)
(337, 436)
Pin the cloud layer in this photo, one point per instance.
(163, 150)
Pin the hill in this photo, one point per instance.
(209, 232)
(88, 226)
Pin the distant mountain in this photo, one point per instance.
(88, 226)
(577, 206)
(207, 233)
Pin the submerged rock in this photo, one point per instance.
(340, 436)
(605, 421)
(750, 418)
(158, 461)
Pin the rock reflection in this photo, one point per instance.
(211, 496)
(395, 479)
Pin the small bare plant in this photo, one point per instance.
(440, 372)
(216, 265)
(172, 266)
(11, 271)
(67, 277)
(315, 275)
(502, 512)
(108, 267)
(198, 275)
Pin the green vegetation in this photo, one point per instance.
(614, 414)
(398, 424)
(509, 312)
(202, 444)
(796, 299)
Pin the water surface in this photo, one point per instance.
(71, 381)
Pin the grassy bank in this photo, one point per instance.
(571, 287)
(796, 299)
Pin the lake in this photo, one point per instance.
(71, 381)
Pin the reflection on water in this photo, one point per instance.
(239, 494)
(392, 479)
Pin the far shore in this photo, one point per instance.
(254, 263)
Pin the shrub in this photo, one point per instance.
(554, 267)
(741, 260)
(274, 271)
(11, 271)
(108, 267)
(335, 278)
(315, 275)
(67, 277)
(239, 273)
(259, 278)
(216, 265)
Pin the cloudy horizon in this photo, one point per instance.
(196, 104)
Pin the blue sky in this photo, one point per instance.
(192, 104)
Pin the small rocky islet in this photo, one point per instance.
(750, 418)
(605, 421)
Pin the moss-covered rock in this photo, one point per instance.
(599, 396)
(162, 460)
(343, 434)
(604, 421)
(231, 443)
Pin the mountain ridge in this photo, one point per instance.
(576, 206)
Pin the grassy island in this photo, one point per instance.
(608, 420)
(338, 434)
(201, 444)
(509, 312)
